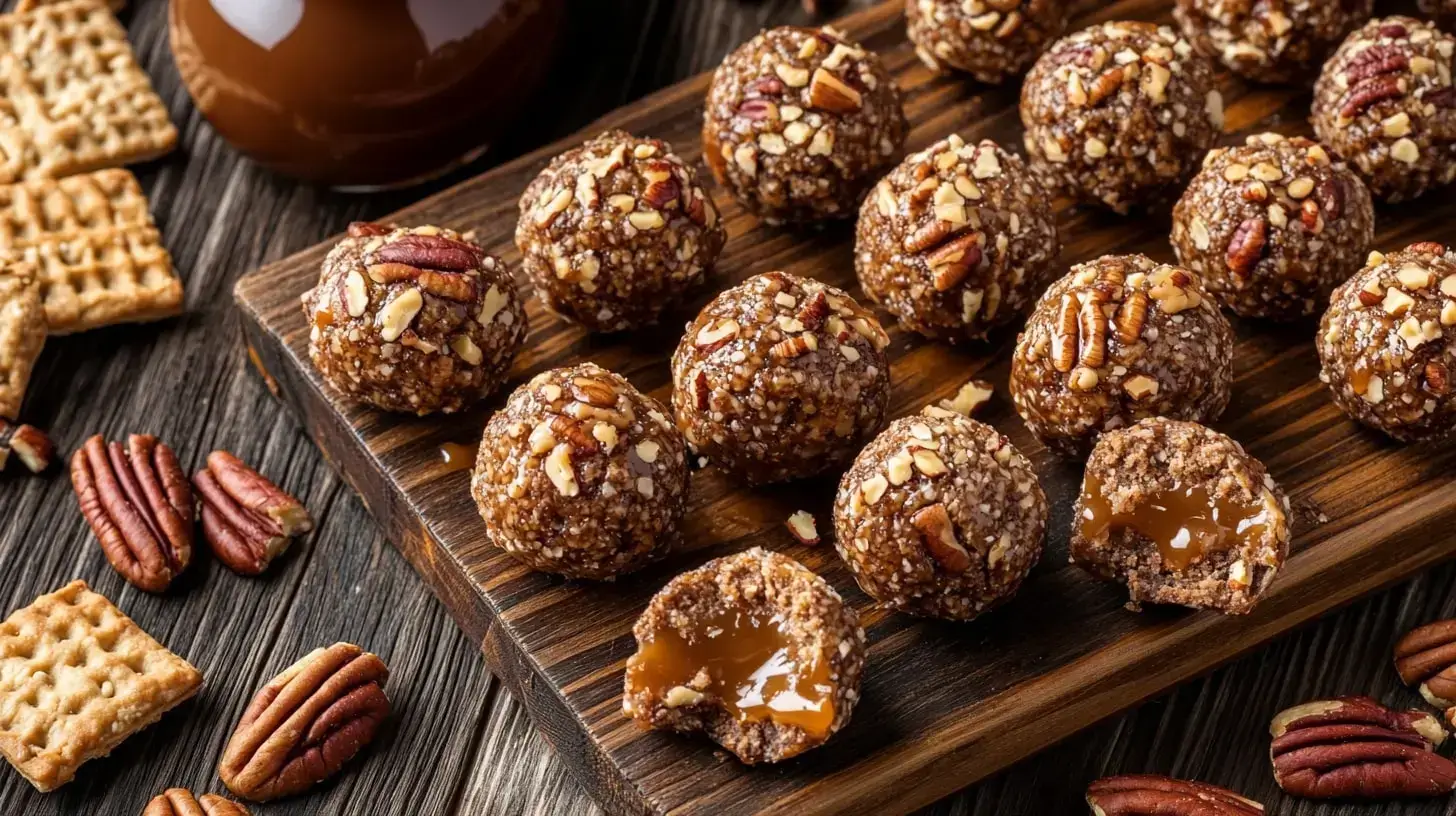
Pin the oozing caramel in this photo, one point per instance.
(1185, 523)
(457, 456)
(752, 667)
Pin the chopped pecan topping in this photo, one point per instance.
(938, 533)
(1246, 247)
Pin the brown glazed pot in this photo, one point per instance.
(362, 93)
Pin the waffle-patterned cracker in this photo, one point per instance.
(22, 333)
(77, 677)
(91, 240)
(74, 97)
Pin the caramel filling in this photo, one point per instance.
(457, 456)
(1187, 524)
(750, 665)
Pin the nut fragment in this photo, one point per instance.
(306, 723)
(801, 525)
(971, 397)
(139, 505)
(1354, 747)
(938, 533)
(181, 802)
(29, 443)
(246, 519)
(828, 92)
(1149, 795)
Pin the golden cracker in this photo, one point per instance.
(32, 5)
(77, 677)
(22, 334)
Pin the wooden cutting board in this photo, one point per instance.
(943, 705)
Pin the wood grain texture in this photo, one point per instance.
(943, 705)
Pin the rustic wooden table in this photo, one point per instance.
(457, 743)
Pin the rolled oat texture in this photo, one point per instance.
(1181, 515)
(940, 516)
(957, 241)
(1119, 114)
(992, 40)
(746, 606)
(616, 231)
(1117, 340)
(1387, 343)
(1273, 225)
(582, 475)
(1266, 41)
(413, 319)
(781, 378)
(1385, 103)
(800, 122)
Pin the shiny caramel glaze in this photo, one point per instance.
(1185, 523)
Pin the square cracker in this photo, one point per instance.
(74, 97)
(77, 677)
(98, 258)
(22, 334)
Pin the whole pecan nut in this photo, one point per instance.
(1246, 247)
(1151, 795)
(181, 802)
(29, 444)
(1426, 658)
(138, 503)
(429, 252)
(306, 723)
(1354, 747)
(247, 520)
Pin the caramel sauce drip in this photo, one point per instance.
(753, 668)
(457, 456)
(1186, 523)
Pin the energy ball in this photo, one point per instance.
(992, 40)
(799, 122)
(617, 230)
(581, 475)
(1385, 104)
(1181, 515)
(940, 516)
(1118, 340)
(957, 240)
(1387, 344)
(781, 378)
(1267, 41)
(1120, 113)
(1273, 226)
(754, 650)
(413, 319)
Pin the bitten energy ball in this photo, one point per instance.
(1385, 104)
(1269, 41)
(1120, 113)
(799, 121)
(1387, 343)
(1117, 340)
(617, 230)
(957, 240)
(1181, 515)
(781, 378)
(1273, 226)
(940, 516)
(413, 319)
(992, 40)
(582, 475)
(754, 650)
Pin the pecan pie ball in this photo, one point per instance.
(1117, 340)
(710, 637)
(581, 475)
(617, 230)
(413, 319)
(1181, 515)
(781, 378)
(1385, 104)
(1273, 226)
(992, 40)
(940, 516)
(1387, 344)
(799, 122)
(957, 240)
(1120, 113)
(1266, 41)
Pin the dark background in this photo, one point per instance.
(457, 742)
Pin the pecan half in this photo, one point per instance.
(1354, 747)
(1150, 795)
(430, 252)
(1376, 61)
(306, 723)
(951, 262)
(1438, 377)
(1426, 658)
(814, 311)
(138, 503)
(181, 802)
(247, 520)
(1246, 247)
(29, 443)
(1331, 195)
(1369, 92)
(1104, 85)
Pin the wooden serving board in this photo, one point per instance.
(943, 705)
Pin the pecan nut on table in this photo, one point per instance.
(247, 520)
(1150, 795)
(1426, 658)
(181, 802)
(1354, 747)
